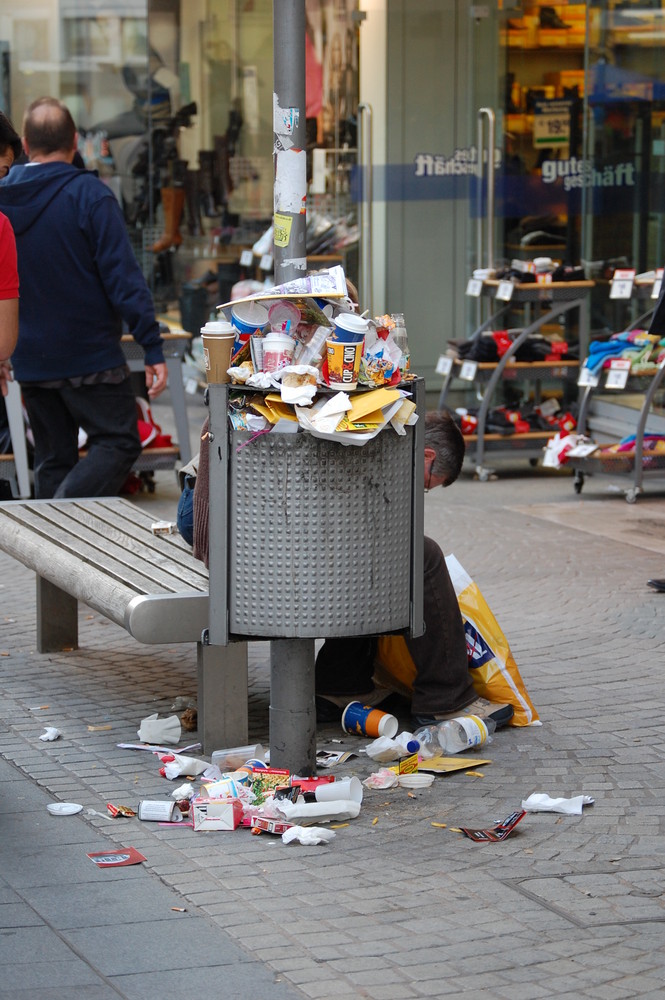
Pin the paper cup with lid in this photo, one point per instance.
(248, 317)
(218, 338)
(350, 328)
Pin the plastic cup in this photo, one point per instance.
(218, 338)
(278, 351)
(347, 789)
(363, 720)
(344, 363)
(232, 758)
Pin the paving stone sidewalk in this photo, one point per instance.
(394, 907)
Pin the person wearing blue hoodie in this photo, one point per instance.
(79, 281)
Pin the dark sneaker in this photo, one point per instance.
(484, 709)
(657, 585)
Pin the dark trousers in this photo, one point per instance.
(443, 682)
(107, 413)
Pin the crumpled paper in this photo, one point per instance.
(298, 395)
(541, 802)
(184, 791)
(307, 813)
(383, 778)
(155, 730)
(50, 734)
(184, 765)
(310, 836)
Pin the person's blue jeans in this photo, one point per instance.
(107, 413)
(185, 513)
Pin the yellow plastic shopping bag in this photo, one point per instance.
(493, 668)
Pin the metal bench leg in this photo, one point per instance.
(222, 695)
(57, 618)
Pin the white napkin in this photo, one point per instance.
(540, 802)
(310, 836)
(50, 734)
(154, 730)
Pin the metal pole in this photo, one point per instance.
(292, 708)
(289, 140)
(367, 196)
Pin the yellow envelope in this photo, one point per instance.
(279, 409)
(365, 406)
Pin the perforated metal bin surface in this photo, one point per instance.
(319, 535)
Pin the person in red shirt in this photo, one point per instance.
(10, 150)
(8, 300)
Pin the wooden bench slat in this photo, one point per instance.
(126, 558)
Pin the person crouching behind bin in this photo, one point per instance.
(443, 687)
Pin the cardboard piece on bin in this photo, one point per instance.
(368, 406)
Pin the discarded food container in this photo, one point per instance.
(232, 758)
(216, 814)
(363, 720)
(64, 808)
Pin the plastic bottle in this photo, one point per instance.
(401, 341)
(454, 735)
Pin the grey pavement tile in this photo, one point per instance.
(20, 946)
(17, 914)
(100, 991)
(98, 904)
(242, 980)
(149, 946)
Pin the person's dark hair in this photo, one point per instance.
(9, 137)
(444, 436)
(48, 127)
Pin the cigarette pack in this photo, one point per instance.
(277, 826)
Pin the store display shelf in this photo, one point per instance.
(525, 370)
(559, 291)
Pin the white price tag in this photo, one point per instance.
(657, 285)
(444, 365)
(616, 378)
(621, 289)
(622, 283)
(468, 370)
(474, 287)
(191, 386)
(505, 291)
(266, 262)
(587, 377)
(246, 258)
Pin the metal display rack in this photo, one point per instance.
(553, 300)
(635, 465)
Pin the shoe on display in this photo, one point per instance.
(484, 709)
(550, 19)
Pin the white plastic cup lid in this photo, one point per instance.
(218, 326)
(351, 322)
(64, 808)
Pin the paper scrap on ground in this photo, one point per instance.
(184, 765)
(496, 833)
(541, 802)
(385, 777)
(307, 813)
(329, 758)
(310, 836)
(158, 749)
(156, 730)
(50, 734)
(117, 859)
